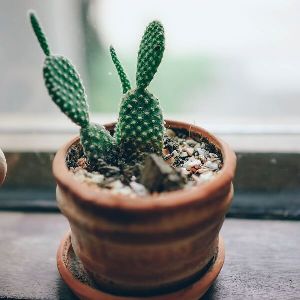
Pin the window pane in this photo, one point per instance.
(223, 58)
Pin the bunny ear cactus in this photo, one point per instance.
(67, 92)
(140, 125)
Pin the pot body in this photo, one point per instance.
(145, 246)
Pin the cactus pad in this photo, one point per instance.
(140, 126)
(66, 89)
(39, 33)
(123, 77)
(150, 54)
(98, 145)
(67, 92)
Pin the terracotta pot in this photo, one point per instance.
(3, 167)
(146, 245)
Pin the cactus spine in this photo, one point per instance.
(140, 125)
(67, 92)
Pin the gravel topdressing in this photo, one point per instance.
(195, 159)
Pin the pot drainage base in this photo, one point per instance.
(74, 275)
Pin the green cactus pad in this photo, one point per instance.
(66, 89)
(39, 33)
(98, 145)
(140, 125)
(150, 54)
(67, 92)
(123, 77)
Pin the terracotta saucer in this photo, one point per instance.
(74, 275)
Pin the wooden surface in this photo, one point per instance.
(262, 258)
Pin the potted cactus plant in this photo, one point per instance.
(162, 243)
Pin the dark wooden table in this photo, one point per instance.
(262, 258)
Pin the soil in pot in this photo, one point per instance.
(186, 160)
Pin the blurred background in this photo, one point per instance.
(224, 60)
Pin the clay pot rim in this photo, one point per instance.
(105, 198)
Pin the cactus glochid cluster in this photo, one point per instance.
(140, 125)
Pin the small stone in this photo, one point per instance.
(202, 158)
(158, 176)
(213, 155)
(169, 159)
(192, 162)
(79, 174)
(139, 188)
(165, 151)
(116, 185)
(175, 153)
(194, 169)
(206, 176)
(196, 178)
(170, 133)
(125, 190)
(96, 177)
(211, 165)
(218, 162)
(84, 176)
(191, 142)
(183, 154)
(201, 151)
(168, 156)
(82, 162)
(202, 170)
(184, 172)
(190, 151)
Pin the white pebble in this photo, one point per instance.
(138, 188)
(183, 154)
(98, 178)
(190, 151)
(116, 185)
(84, 176)
(192, 163)
(211, 165)
(125, 190)
(174, 153)
(184, 171)
(206, 176)
(191, 142)
(201, 151)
